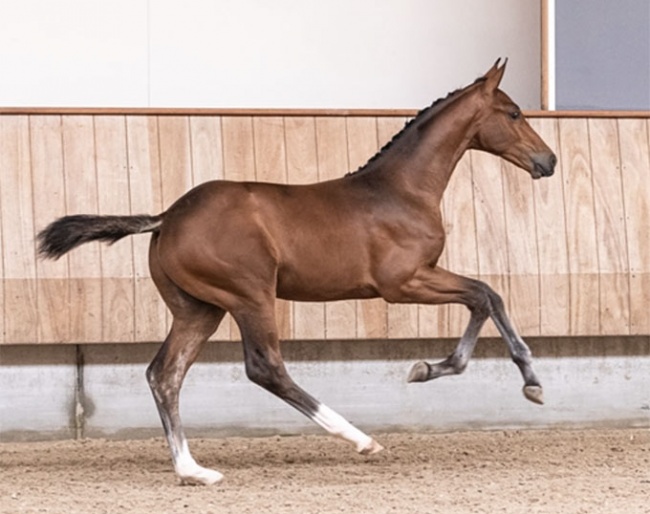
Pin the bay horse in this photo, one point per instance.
(377, 232)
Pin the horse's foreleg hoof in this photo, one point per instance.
(373, 447)
(202, 476)
(535, 394)
(419, 372)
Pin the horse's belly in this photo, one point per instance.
(320, 286)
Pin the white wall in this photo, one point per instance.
(262, 54)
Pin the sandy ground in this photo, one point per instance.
(558, 472)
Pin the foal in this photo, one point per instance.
(234, 247)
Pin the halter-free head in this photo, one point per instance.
(503, 130)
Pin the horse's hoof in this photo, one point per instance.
(203, 477)
(419, 372)
(535, 394)
(373, 447)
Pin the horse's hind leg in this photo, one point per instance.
(194, 322)
(165, 375)
(265, 367)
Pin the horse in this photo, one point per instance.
(235, 247)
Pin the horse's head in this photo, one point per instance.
(503, 130)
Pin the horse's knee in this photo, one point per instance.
(496, 302)
(484, 300)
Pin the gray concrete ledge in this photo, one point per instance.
(59, 392)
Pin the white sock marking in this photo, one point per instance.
(337, 425)
(188, 470)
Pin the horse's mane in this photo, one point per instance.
(435, 106)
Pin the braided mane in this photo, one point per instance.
(435, 106)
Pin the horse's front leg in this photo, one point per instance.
(265, 367)
(439, 286)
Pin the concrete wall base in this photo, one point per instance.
(67, 391)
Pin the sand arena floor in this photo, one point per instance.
(554, 472)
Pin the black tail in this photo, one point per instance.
(68, 232)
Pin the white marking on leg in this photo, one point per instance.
(190, 472)
(337, 425)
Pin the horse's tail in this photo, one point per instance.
(68, 232)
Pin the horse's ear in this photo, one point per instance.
(494, 75)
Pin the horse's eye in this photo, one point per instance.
(515, 114)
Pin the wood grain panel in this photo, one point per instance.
(238, 148)
(363, 143)
(332, 154)
(402, 320)
(207, 164)
(175, 158)
(52, 287)
(523, 257)
(118, 288)
(3, 334)
(491, 230)
(552, 240)
(634, 138)
(580, 226)
(271, 166)
(81, 198)
(460, 255)
(150, 313)
(207, 149)
(610, 228)
(238, 163)
(302, 168)
(570, 254)
(17, 219)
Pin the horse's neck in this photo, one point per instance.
(424, 160)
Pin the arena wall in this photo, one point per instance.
(570, 256)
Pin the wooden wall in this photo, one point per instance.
(570, 255)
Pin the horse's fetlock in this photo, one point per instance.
(458, 364)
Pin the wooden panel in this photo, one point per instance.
(552, 240)
(401, 319)
(363, 143)
(207, 164)
(175, 158)
(207, 149)
(271, 166)
(238, 161)
(635, 163)
(610, 228)
(118, 288)
(52, 287)
(491, 231)
(332, 154)
(460, 255)
(435, 320)
(150, 313)
(580, 226)
(302, 168)
(3, 333)
(569, 254)
(17, 219)
(238, 148)
(81, 198)
(523, 259)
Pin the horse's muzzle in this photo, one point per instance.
(544, 165)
